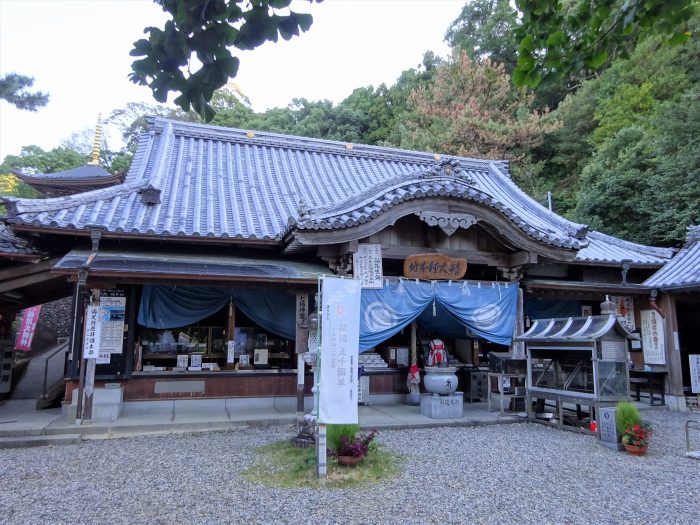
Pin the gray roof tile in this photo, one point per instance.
(606, 249)
(683, 271)
(224, 183)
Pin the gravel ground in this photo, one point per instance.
(515, 474)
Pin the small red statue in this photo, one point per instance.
(437, 355)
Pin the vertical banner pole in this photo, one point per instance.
(89, 384)
(322, 451)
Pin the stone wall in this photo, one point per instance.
(57, 315)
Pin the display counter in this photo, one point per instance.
(170, 384)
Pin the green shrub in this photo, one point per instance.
(626, 416)
(334, 434)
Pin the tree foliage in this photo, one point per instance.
(207, 30)
(14, 88)
(561, 39)
(485, 29)
(472, 110)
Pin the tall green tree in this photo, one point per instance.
(486, 29)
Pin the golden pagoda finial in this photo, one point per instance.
(95, 161)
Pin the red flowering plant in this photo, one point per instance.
(357, 447)
(637, 435)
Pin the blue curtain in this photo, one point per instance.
(176, 306)
(487, 310)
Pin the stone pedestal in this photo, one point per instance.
(106, 403)
(436, 406)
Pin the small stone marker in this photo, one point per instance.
(608, 429)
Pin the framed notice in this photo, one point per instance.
(694, 373)
(653, 338)
(624, 309)
(367, 265)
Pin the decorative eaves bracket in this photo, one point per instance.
(448, 222)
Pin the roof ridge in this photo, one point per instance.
(267, 138)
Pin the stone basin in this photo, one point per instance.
(440, 380)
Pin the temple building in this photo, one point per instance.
(205, 250)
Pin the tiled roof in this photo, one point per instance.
(207, 181)
(87, 172)
(605, 249)
(13, 246)
(683, 271)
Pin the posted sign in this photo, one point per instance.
(93, 332)
(653, 338)
(340, 335)
(694, 373)
(367, 265)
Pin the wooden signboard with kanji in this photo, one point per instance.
(433, 266)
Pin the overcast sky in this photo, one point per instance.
(78, 52)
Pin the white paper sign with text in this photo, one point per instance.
(367, 265)
(340, 337)
(653, 338)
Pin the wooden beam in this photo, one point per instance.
(26, 281)
(26, 269)
(489, 259)
(522, 258)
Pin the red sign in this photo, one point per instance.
(25, 334)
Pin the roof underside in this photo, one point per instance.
(683, 271)
(108, 263)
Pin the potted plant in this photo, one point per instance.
(351, 451)
(636, 438)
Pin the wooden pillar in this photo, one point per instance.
(301, 346)
(671, 348)
(519, 346)
(414, 343)
(132, 300)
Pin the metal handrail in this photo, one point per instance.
(46, 366)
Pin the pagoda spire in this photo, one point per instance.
(95, 161)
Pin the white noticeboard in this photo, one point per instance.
(653, 338)
(367, 265)
(694, 373)
(113, 306)
(340, 337)
(93, 327)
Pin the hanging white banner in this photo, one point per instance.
(340, 335)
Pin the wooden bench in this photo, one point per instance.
(650, 380)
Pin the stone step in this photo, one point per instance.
(39, 441)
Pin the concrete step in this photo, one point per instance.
(39, 441)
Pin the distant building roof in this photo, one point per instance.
(683, 271)
(608, 250)
(75, 180)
